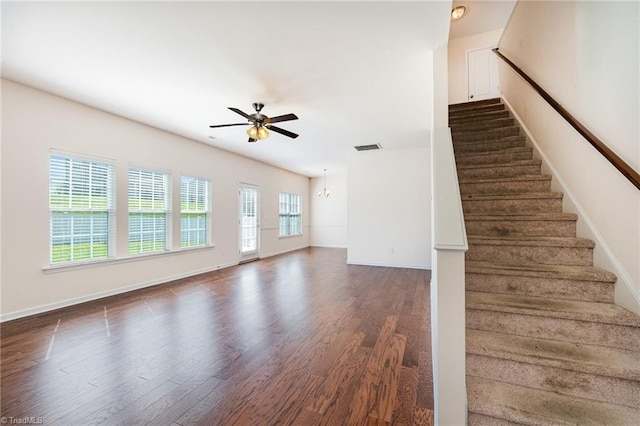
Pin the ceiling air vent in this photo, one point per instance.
(368, 147)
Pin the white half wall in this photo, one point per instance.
(329, 215)
(34, 122)
(457, 53)
(586, 55)
(389, 216)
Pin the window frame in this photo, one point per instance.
(59, 213)
(206, 193)
(151, 213)
(289, 214)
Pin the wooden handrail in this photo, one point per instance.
(612, 157)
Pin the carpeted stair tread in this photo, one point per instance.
(484, 134)
(508, 179)
(512, 203)
(461, 112)
(533, 241)
(496, 156)
(486, 124)
(491, 166)
(592, 359)
(606, 313)
(471, 105)
(521, 217)
(536, 407)
(512, 196)
(478, 117)
(491, 145)
(540, 270)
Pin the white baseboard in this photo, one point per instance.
(624, 287)
(95, 296)
(276, 253)
(386, 265)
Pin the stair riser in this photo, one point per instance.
(572, 383)
(533, 228)
(483, 135)
(517, 187)
(494, 158)
(488, 145)
(499, 171)
(542, 205)
(486, 124)
(491, 115)
(555, 288)
(576, 256)
(475, 419)
(476, 104)
(567, 330)
(461, 112)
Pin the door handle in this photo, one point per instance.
(471, 97)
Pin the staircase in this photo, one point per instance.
(545, 343)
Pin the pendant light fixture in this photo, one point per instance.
(325, 192)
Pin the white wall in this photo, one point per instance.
(389, 215)
(457, 53)
(329, 215)
(34, 122)
(586, 55)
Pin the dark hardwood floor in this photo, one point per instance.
(296, 339)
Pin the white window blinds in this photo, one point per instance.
(194, 211)
(149, 211)
(290, 214)
(81, 206)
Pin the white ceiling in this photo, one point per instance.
(354, 72)
(481, 16)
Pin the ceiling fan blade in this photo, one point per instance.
(286, 117)
(228, 125)
(237, 111)
(252, 140)
(282, 131)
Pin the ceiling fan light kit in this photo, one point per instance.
(260, 123)
(258, 132)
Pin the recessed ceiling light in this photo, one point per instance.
(457, 12)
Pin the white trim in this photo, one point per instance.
(82, 156)
(51, 269)
(387, 265)
(279, 252)
(77, 300)
(448, 227)
(612, 263)
(328, 246)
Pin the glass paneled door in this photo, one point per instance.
(249, 221)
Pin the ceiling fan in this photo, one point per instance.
(260, 123)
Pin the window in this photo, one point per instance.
(290, 217)
(81, 207)
(149, 211)
(194, 211)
